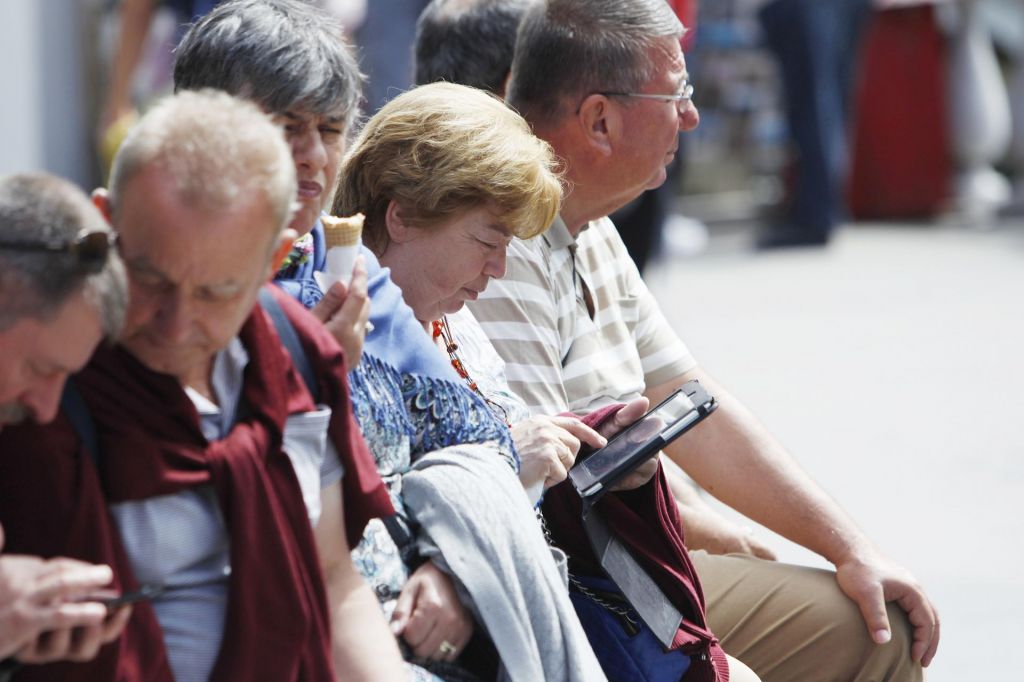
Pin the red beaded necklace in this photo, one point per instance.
(442, 331)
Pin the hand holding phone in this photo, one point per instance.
(113, 600)
(673, 417)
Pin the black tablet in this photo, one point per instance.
(641, 440)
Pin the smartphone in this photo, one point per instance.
(112, 600)
(641, 440)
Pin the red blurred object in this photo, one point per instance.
(900, 156)
(686, 10)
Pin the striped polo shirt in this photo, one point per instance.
(575, 323)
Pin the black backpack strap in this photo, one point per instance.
(291, 342)
(73, 405)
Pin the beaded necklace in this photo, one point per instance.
(443, 332)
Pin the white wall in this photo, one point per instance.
(44, 72)
(20, 121)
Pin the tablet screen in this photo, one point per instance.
(637, 435)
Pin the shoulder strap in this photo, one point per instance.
(73, 405)
(291, 342)
(397, 527)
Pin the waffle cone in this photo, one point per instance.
(342, 231)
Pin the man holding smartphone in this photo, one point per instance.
(606, 84)
(215, 477)
(63, 289)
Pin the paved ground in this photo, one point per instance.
(891, 366)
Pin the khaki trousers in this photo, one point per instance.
(793, 624)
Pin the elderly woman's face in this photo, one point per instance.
(440, 267)
(317, 143)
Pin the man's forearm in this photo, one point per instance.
(362, 643)
(733, 457)
(704, 526)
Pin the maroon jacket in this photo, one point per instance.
(53, 501)
(647, 522)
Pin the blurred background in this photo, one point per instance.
(842, 243)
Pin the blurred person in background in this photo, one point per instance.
(135, 23)
(816, 45)
(605, 83)
(385, 39)
(470, 42)
(62, 289)
(135, 19)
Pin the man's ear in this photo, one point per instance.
(101, 200)
(398, 227)
(284, 245)
(598, 122)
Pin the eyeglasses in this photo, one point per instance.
(89, 249)
(679, 99)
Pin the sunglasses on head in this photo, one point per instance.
(89, 249)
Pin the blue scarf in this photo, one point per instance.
(398, 338)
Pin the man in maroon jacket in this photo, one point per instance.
(61, 289)
(216, 481)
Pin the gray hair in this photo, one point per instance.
(281, 54)
(215, 148)
(568, 49)
(469, 42)
(37, 209)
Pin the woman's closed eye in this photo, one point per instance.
(330, 134)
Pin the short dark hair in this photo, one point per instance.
(567, 49)
(469, 42)
(42, 209)
(281, 54)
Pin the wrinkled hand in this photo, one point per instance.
(80, 643)
(429, 612)
(38, 595)
(344, 310)
(874, 581)
(548, 447)
(632, 411)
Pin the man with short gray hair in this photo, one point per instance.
(606, 84)
(213, 481)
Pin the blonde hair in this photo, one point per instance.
(442, 149)
(215, 148)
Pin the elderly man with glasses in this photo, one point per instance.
(606, 84)
(61, 290)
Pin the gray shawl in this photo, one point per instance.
(478, 526)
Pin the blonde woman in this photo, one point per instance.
(448, 460)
